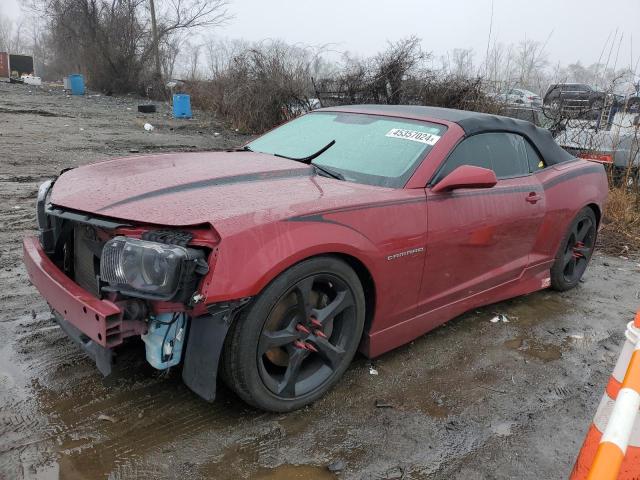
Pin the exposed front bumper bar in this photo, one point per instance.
(99, 320)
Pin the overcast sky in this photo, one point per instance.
(575, 29)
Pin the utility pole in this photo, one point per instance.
(154, 33)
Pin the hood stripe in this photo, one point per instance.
(214, 182)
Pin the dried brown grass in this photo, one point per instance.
(620, 232)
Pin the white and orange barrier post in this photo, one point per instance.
(612, 448)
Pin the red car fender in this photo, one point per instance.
(566, 192)
(246, 263)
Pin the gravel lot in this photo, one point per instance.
(471, 400)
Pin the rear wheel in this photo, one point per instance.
(294, 342)
(575, 251)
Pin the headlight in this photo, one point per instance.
(141, 268)
(41, 201)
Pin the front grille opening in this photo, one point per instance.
(86, 258)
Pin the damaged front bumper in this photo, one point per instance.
(92, 323)
(99, 320)
(98, 325)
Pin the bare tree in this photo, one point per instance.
(530, 60)
(462, 62)
(12, 37)
(398, 61)
(193, 59)
(111, 40)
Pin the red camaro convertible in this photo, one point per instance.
(349, 228)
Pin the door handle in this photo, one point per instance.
(533, 197)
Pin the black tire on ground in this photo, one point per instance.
(295, 340)
(575, 251)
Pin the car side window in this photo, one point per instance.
(504, 153)
(536, 162)
(466, 153)
(507, 153)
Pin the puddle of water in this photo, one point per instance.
(535, 308)
(535, 348)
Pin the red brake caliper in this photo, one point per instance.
(576, 252)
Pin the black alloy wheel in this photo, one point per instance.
(575, 251)
(297, 338)
(304, 338)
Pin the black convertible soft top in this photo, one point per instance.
(472, 123)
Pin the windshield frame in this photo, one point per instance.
(362, 177)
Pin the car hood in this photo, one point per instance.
(219, 188)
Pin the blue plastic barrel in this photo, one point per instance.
(181, 105)
(77, 84)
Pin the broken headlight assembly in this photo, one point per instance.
(41, 199)
(152, 270)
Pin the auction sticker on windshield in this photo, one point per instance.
(413, 135)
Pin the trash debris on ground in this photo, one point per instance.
(148, 127)
(500, 318)
(106, 418)
(383, 404)
(31, 80)
(336, 466)
(150, 108)
(134, 150)
(373, 371)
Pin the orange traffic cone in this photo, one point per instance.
(611, 449)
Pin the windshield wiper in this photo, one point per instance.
(240, 149)
(329, 172)
(310, 157)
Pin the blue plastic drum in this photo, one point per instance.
(181, 105)
(77, 84)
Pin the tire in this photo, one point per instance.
(575, 251)
(297, 337)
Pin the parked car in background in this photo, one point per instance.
(574, 96)
(281, 259)
(520, 96)
(516, 97)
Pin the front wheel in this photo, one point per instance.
(575, 251)
(297, 338)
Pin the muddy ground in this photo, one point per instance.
(471, 400)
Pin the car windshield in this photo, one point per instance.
(375, 150)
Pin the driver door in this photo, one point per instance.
(480, 238)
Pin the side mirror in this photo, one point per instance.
(466, 176)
